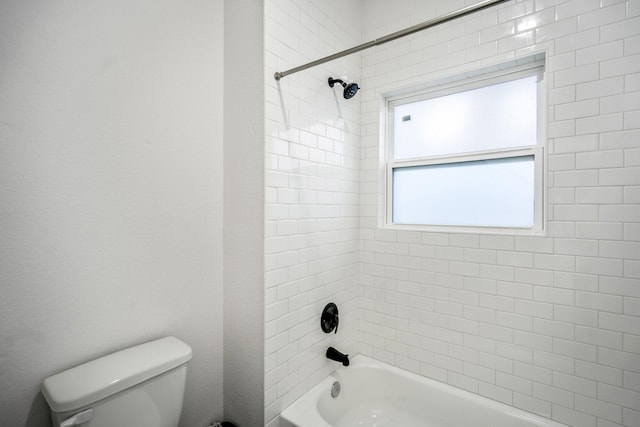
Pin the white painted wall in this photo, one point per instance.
(110, 190)
(548, 324)
(243, 212)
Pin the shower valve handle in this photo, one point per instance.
(329, 320)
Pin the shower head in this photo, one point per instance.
(349, 89)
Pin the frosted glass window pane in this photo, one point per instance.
(499, 116)
(485, 193)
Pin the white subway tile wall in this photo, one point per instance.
(311, 197)
(549, 324)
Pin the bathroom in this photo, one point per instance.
(157, 180)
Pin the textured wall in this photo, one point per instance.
(548, 324)
(243, 213)
(111, 191)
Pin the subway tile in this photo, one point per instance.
(561, 129)
(535, 309)
(632, 269)
(575, 384)
(619, 286)
(619, 103)
(564, 229)
(555, 395)
(599, 408)
(631, 231)
(632, 82)
(573, 418)
(521, 382)
(620, 66)
(516, 11)
(620, 176)
(600, 159)
(577, 246)
(599, 195)
(515, 290)
(494, 392)
(599, 230)
(553, 328)
(555, 30)
(581, 74)
(534, 244)
(561, 195)
(623, 139)
(577, 316)
(630, 417)
(554, 295)
(586, 108)
(618, 395)
(496, 32)
(600, 17)
(562, 62)
(497, 272)
(600, 88)
(631, 381)
(533, 340)
(619, 322)
(622, 213)
(632, 157)
(577, 178)
(600, 301)
(599, 373)
(534, 276)
(631, 343)
(619, 359)
(515, 42)
(602, 266)
(497, 242)
(573, 144)
(516, 321)
(575, 350)
(563, 95)
(600, 52)
(617, 249)
(531, 404)
(576, 7)
(598, 124)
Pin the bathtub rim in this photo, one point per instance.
(306, 406)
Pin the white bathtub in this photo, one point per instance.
(375, 394)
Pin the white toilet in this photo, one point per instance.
(141, 386)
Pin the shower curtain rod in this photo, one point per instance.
(393, 36)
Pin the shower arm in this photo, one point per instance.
(394, 36)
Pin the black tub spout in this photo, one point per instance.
(334, 354)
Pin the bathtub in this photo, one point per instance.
(375, 394)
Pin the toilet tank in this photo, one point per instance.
(141, 386)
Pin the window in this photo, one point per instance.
(468, 156)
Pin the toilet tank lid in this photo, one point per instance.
(92, 381)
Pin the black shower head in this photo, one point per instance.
(349, 89)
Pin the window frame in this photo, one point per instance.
(461, 84)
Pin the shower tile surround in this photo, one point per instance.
(549, 324)
(311, 196)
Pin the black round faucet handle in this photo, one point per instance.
(329, 319)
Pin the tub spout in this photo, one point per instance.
(334, 354)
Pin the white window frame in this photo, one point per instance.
(481, 79)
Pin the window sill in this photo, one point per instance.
(509, 231)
